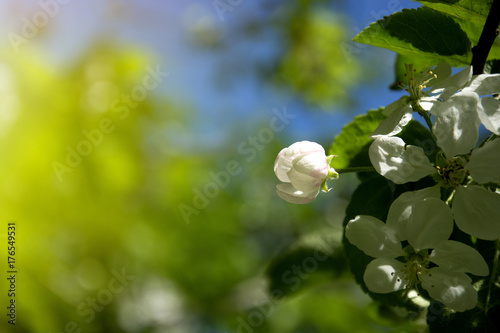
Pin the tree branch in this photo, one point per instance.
(490, 32)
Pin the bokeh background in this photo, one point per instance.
(137, 140)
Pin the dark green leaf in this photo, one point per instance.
(421, 32)
(470, 15)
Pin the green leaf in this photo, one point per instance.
(470, 15)
(474, 11)
(372, 197)
(354, 137)
(422, 32)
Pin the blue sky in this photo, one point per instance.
(249, 101)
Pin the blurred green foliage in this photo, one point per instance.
(116, 214)
(315, 64)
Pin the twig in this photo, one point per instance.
(490, 32)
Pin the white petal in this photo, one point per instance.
(373, 237)
(485, 84)
(289, 193)
(489, 114)
(394, 124)
(427, 103)
(303, 147)
(454, 289)
(283, 162)
(311, 162)
(392, 160)
(453, 84)
(396, 105)
(477, 212)
(308, 171)
(282, 165)
(484, 163)
(459, 257)
(457, 124)
(302, 182)
(384, 275)
(402, 207)
(430, 224)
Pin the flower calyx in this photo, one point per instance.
(451, 173)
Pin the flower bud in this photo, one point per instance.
(303, 168)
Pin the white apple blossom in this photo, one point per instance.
(303, 168)
(430, 260)
(483, 86)
(401, 111)
(489, 112)
(476, 210)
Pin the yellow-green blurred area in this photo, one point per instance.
(143, 209)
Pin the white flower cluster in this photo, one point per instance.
(430, 260)
(412, 249)
(455, 108)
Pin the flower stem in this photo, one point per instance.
(490, 32)
(425, 114)
(356, 169)
(427, 119)
(493, 276)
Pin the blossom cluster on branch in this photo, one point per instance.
(413, 249)
(422, 227)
